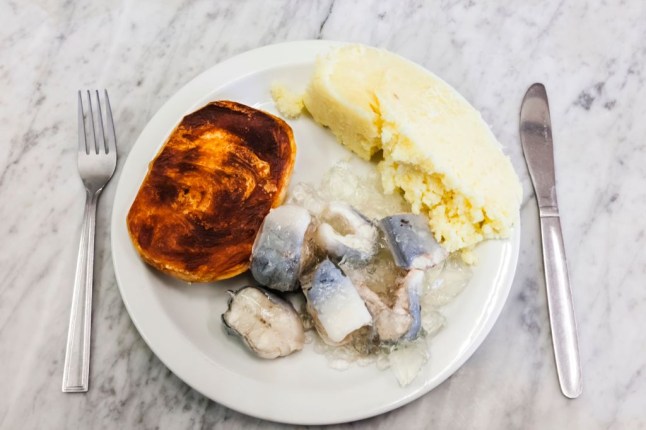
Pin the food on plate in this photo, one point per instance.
(282, 251)
(435, 147)
(411, 242)
(346, 233)
(363, 306)
(391, 323)
(208, 190)
(404, 305)
(367, 253)
(334, 303)
(410, 288)
(402, 320)
(266, 323)
(288, 102)
(406, 360)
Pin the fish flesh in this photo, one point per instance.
(411, 242)
(402, 320)
(334, 303)
(266, 323)
(281, 251)
(390, 323)
(409, 295)
(346, 234)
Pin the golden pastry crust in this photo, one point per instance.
(208, 190)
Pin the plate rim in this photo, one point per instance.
(236, 61)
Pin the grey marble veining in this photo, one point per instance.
(590, 55)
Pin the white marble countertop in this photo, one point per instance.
(590, 55)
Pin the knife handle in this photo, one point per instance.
(560, 305)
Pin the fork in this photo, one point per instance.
(97, 160)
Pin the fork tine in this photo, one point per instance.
(89, 98)
(101, 144)
(112, 136)
(82, 135)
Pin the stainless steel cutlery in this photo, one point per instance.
(97, 160)
(536, 140)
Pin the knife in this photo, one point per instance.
(536, 140)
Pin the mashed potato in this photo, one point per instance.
(436, 148)
(288, 103)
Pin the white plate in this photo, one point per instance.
(181, 323)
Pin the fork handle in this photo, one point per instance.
(77, 354)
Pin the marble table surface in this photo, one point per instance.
(591, 55)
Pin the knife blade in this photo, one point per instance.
(537, 144)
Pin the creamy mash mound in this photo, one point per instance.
(436, 148)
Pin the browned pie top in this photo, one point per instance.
(208, 190)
